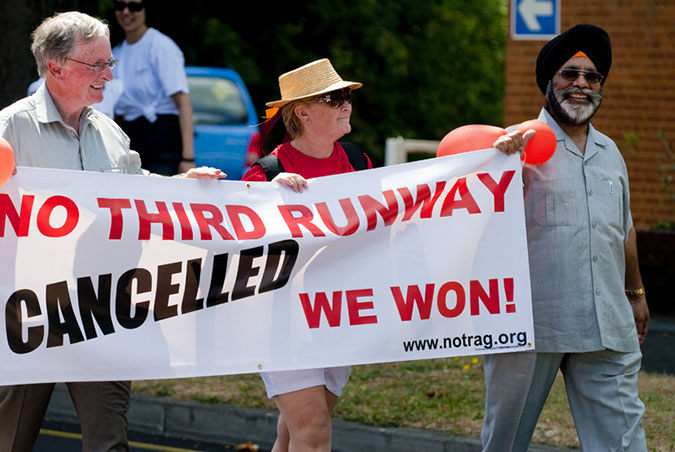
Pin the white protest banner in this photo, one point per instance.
(115, 277)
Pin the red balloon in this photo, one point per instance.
(542, 146)
(469, 138)
(6, 161)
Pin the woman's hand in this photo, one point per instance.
(204, 172)
(291, 180)
(514, 142)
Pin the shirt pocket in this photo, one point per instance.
(551, 203)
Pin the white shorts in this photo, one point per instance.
(284, 381)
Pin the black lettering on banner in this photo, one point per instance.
(13, 323)
(165, 289)
(216, 295)
(93, 306)
(190, 301)
(290, 249)
(245, 272)
(58, 304)
(143, 280)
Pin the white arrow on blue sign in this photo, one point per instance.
(535, 19)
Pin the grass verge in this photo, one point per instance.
(437, 394)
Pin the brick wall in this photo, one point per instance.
(639, 92)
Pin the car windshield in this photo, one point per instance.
(216, 101)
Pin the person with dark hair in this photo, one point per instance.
(57, 128)
(589, 307)
(154, 108)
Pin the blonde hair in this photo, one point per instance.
(55, 38)
(294, 125)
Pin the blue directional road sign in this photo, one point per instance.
(535, 19)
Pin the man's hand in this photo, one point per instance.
(292, 180)
(204, 172)
(641, 314)
(514, 142)
(184, 167)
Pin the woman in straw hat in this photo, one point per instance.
(316, 106)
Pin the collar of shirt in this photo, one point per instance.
(46, 111)
(596, 140)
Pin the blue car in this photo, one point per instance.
(225, 122)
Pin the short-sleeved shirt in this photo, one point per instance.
(152, 70)
(39, 137)
(578, 218)
(308, 167)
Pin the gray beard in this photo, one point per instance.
(572, 114)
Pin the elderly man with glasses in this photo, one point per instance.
(57, 128)
(589, 307)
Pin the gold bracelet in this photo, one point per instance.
(635, 292)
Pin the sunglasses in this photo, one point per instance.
(336, 99)
(134, 7)
(570, 75)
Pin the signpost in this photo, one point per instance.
(535, 19)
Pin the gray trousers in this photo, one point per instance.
(601, 388)
(101, 408)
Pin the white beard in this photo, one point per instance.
(569, 112)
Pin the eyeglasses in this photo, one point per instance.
(570, 75)
(134, 7)
(336, 99)
(98, 67)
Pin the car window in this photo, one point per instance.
(216, 101)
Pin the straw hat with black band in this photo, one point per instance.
(313, 79)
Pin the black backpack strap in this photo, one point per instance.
(271, 165)
(357, 158)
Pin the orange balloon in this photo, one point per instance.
(469, 138)
(542, 146)
(6, 161)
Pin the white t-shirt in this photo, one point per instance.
(152, 70)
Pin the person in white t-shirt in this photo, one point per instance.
(154, 108)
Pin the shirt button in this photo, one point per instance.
(597, 291)
(590, 192)
(594, 225)
(595, 258)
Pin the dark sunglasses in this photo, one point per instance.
(134, 7)
(336, 99)
(570, 75)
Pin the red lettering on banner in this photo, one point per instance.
(372, 207)
(305, 219)
(423, 199)
(490, 300)
(497, 189)
(465, 201)
(146, 219)
(349, 212)
(45, 213)
(414, 297)
(215, 221)
(313, 312)
(116, 218)
(20, 221)
(355, 307)
(333, 310)
(185, 226)
(235, 213)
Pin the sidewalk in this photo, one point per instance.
(230, 425)
(226, 424)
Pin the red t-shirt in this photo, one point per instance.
(308, 167)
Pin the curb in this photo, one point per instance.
(230, 425)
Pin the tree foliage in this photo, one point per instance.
(427, 67)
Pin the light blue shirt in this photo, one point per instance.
(39, 137)
(578, 218)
